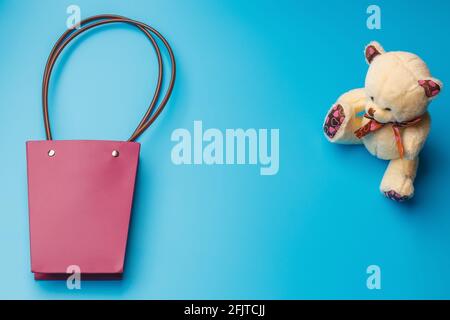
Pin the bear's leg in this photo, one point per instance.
(342, 119)
(398, 180)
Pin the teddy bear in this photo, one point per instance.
(389, 115)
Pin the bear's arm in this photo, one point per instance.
(414, 137)
(355, 98)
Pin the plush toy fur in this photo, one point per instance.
(398, 90)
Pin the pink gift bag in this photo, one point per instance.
(80, 192)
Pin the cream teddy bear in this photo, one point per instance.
(396, 123)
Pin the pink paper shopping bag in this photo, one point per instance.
(80, 192)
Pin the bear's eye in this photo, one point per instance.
(371, 98)
(388, 109)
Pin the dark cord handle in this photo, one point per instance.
(152, 112)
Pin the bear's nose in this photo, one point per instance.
(371, 112)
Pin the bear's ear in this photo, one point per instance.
(373, 50)
(431, 86)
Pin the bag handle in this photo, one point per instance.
(152, 112)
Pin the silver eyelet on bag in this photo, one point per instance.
(51, 153)
(115, 153)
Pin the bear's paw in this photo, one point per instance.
(334, 121)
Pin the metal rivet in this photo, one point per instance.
(115, 153)
(51, 153)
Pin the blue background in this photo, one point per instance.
(225, 231)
